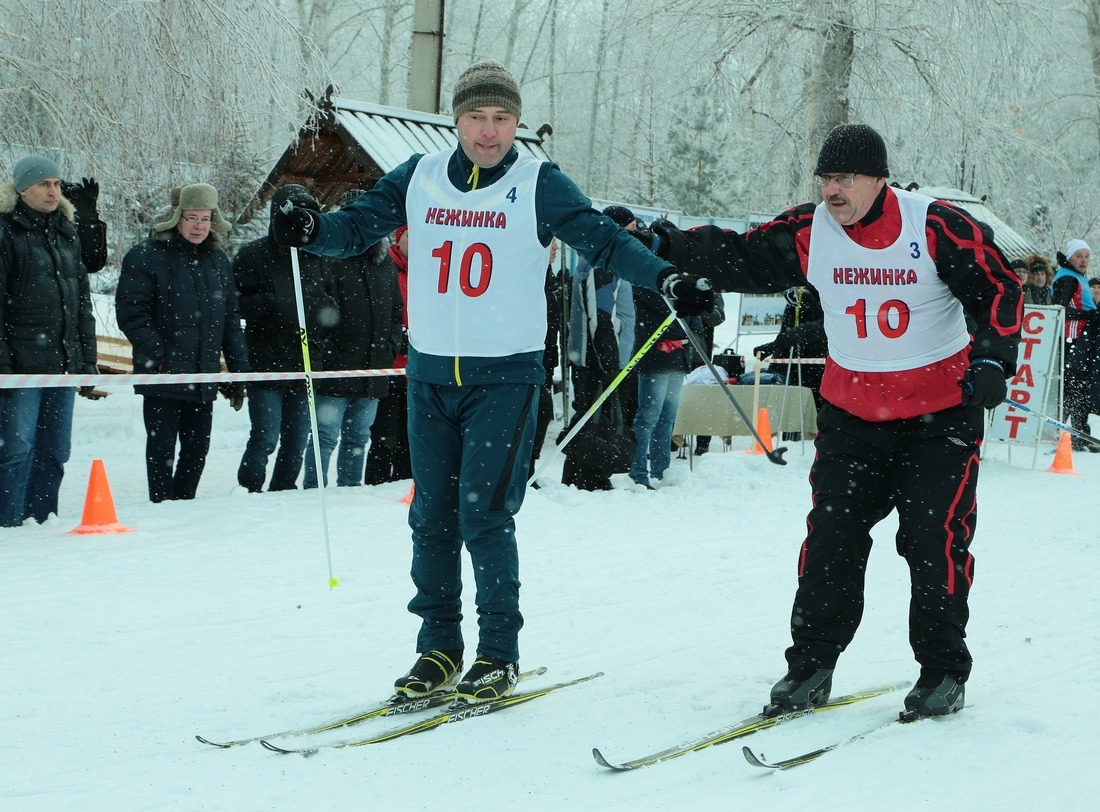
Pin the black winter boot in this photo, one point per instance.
(800, 689)
(937, 693)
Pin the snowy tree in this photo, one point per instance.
(696, 181)
(149, 95)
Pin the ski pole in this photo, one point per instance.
(299, 301)
(604, 395)
(1057, 424)
(776, 455)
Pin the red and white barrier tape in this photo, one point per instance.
(793, 361)
(132, 379)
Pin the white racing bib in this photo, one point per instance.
(886, 309)
(477, 270)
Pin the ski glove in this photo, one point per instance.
(983, 384)
(689, 295)
(293, 227)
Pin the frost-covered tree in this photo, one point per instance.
(150, 94)
(695, 180)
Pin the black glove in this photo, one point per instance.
(690, 295)
(782, 343)
(764, 350)
(293, 226)
(234, 393)
(984, 384)
(90, 393)
(83, 196)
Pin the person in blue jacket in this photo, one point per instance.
(480, 217)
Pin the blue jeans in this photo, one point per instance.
(36, 427)
(280, 417)
(347, 420)
(658, 400)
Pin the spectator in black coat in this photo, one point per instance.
(177, 305)
(93, 231)
(279, 410)
(46, 326)
(366, 335)
(388, 455)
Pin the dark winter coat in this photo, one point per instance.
(801, 335)
(368, 331)
(46, 320)
(265, 285)
(177, 304)
(672, 352)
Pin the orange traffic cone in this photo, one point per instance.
(1063, 457)
(99, 507)
(408, 498)
(764, 429)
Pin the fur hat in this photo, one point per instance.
(486, 84)
(854, 148)
(196, 197)
(1073, 246)
(32, 169)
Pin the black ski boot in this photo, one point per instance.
(937, 693)
(434, 671)
(487, 679)
(800, 689)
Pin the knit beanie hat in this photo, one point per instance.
(32, 169)
(621, 215)
(486, 84)
(1073, 246)
(854, 148)
(196, 197)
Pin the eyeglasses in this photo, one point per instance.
(191, 218)
(844, 180)
(1038, 273)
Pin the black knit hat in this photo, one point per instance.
(854, 148)
(621, 215)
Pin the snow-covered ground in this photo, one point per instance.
(214, 617)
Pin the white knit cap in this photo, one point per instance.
(1073, 246)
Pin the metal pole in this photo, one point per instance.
(776, 455)
(333, 581)
(1056, 423)
(604, 395)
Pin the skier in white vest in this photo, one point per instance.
(905, 387)
(480, 217)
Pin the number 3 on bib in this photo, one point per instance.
(892, 318)
(471, 283)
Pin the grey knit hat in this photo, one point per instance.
(197, 196)
(854, 148)
(486, 84)
(32, 169)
